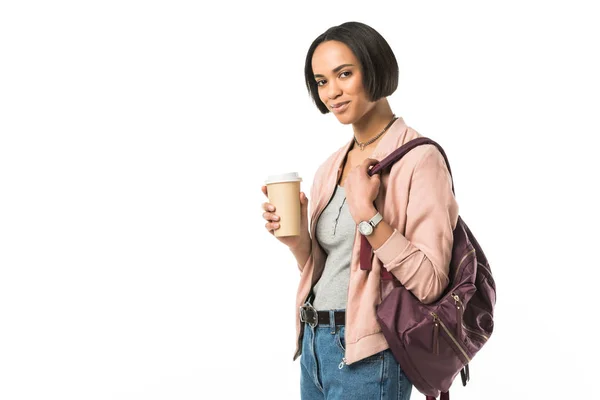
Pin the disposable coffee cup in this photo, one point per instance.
(284, 193)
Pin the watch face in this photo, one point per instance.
(365, 228)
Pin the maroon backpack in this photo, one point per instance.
(434, 342)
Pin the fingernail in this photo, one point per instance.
(275, 218)
(271, 208)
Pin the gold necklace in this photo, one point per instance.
(362, 145)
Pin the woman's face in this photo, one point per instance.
(338, 74)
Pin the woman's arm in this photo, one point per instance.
(302, 253)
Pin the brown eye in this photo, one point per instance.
(348, 73)
(321, 82)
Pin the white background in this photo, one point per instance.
(135, 136)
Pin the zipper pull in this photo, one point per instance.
(342, 363)
(436, 333)
(464, 375)
(459, 315)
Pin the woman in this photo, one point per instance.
(407, 215)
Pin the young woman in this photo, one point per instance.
(408, 216)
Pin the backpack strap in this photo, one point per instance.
(401, 152)
(443, 396)
(366, 252)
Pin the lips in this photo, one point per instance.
(339, 107)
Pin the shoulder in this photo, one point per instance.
(421, 152)
(430, 157)
(424, 160)
(414, 158)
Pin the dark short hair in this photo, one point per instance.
(379, 65)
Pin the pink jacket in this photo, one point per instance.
(416, 199)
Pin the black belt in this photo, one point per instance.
(313, 317)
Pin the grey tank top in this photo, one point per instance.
(335, 233)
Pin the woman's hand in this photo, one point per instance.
(361, 191)
(272, 224)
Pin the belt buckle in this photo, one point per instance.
(304, 316)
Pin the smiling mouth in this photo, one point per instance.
(335, 106)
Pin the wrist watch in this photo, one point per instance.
(366, 227)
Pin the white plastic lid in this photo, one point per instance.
(287, 177)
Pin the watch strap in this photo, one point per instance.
(376, 219)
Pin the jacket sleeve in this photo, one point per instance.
(420, 259)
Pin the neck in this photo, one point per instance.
(373, 122)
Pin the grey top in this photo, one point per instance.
(335, 233)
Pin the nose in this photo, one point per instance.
(333, 90)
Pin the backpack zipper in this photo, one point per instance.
(459, 314)
(436, 333)
(436, 318)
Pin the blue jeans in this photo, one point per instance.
(322, 376)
